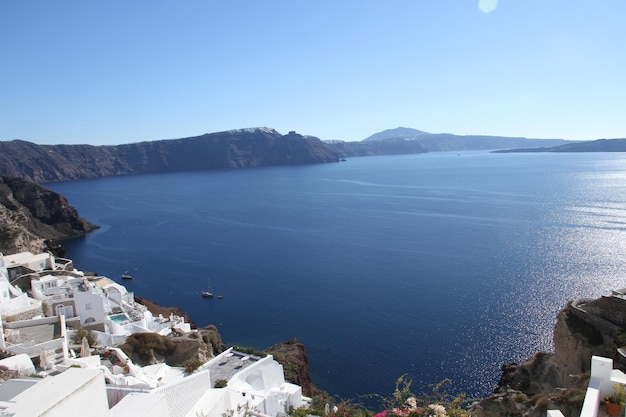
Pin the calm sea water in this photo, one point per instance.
(438, 265)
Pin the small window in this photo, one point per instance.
(88, 306)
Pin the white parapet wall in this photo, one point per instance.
(74, 392)
(601, 382)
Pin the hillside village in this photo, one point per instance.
(45, 303)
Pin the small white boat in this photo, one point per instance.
(208, 293)
(126, 275)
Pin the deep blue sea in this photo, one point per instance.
(439, 265)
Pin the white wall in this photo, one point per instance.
(74, 392)
(84, 299)
(261, 376)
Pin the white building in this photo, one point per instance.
(112, 385)
(28, 261)
(75, 392)
(13, 301)
(254, 384)
(99, 303)
(63, 293)
(601, 383)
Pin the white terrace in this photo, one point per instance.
(603, 378)
(254, 383)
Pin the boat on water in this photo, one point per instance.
(126, 275)
(208, 293)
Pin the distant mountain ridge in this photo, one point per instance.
(434, 142)
(240, 148)
(397, 133)
(245, 148)
(600, 145)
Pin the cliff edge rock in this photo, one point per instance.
(558, 380)
(292, 355)
(31, 217)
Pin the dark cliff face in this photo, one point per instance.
(225, 150)
(295, 361)
(30, 212)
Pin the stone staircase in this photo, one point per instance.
(53, 358)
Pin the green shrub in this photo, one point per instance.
(250, 351)
(220, 383)
(77, 337)
(191, 365)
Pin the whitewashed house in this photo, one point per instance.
(13, 301)
(99, 303)
(70, 294)
(255, 384)
(19, 262)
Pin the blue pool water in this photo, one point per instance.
(435, 265)
(119, 318)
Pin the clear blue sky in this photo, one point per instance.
(110, 72)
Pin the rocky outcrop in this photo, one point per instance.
(242, 148)
(175, 350)
(295, 361)
(558, 380)
(31, 217)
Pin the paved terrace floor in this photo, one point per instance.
(39, 333)
(229, 365)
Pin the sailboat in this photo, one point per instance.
(207, 293)
(126, 275)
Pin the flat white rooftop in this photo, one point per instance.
(50, 391)
(227, 365)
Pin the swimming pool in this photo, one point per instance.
(119, 318)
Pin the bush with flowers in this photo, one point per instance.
(325, 405)
(402, 403)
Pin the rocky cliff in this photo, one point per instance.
(242, 148)
(295, 361)
(32, 217)
(558, 380)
